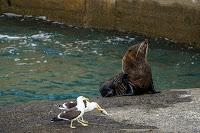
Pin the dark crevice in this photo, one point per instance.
(9, 3)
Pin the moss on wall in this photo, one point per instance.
(0, 5)
(175, 19)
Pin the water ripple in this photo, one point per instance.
(41, 60)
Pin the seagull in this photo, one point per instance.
(74, 113)
(89, 106)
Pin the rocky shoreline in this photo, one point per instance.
(168, 111)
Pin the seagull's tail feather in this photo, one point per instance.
(54, 119)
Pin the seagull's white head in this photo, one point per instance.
(80, 102)
(81, 98)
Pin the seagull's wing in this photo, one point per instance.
(69, 114)
(68, 105)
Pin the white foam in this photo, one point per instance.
(79, 50)
(119, 39)
(108, 41)
(41, 36)
(21, 64)
(131, 39)
(78, 42)
(7, 37)
(62, 45)
(95, 51)
(33, 44)
(60, 23)
(28, 16)
(166, 39)
(12, 15)
(42, 17)
(84, 43)
(96, 41)
(10, 50)
(17, 59)
(57, 42)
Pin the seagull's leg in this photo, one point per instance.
(84, 121)
(84, 124)
(81, 119)
(71, 126)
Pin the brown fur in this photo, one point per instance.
(134, 63)
(136, 76)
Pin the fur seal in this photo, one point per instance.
(136, 76)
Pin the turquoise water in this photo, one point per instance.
(43, 60)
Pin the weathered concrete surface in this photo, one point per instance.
(175, 19)
(168, 111)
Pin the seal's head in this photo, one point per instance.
(137, 52)
(135, 55)
(106, 91)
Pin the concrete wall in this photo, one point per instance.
(175, 19)
(0, 5)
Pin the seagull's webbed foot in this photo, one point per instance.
(84, 124)
(84, 121)
(71, 126)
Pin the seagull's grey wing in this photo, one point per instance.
(69, 105)
(69, 115)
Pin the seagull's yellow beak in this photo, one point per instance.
(87, 99)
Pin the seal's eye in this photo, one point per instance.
(129, 50)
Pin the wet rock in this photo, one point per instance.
(168, 111)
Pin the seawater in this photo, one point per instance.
(44, 60)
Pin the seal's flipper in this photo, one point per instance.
(129, 88)
(151, 89)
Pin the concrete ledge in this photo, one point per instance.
(178, 20)
(168, 111)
